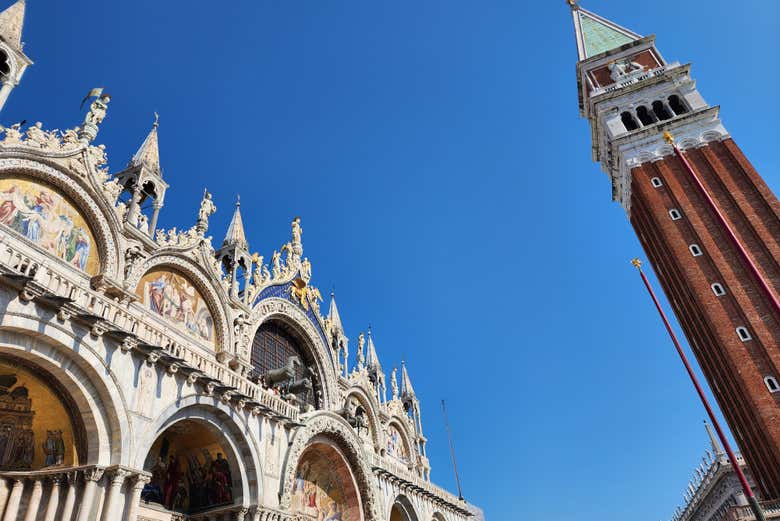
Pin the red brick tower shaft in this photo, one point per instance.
(711, 228)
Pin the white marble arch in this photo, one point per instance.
(401, 425)
(83, 375)
(329, 427)
(405, 506)
(102, 220)
(369, 404)
(277, 309)
(231, 426)
(197, 275)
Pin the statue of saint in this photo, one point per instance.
(296, 231)
(394, 383)
(207, 209)
(97, 110)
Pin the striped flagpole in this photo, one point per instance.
(751, 497)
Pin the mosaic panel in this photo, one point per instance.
(47, 218)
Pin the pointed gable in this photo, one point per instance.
(11, 22)
(148, 155)
(372, 360)
(596, 35)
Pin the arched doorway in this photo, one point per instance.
(324, 487)
(193, 469)
(38, 427)
(402, 510)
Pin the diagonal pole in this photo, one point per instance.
(452, 450)
(751, 497)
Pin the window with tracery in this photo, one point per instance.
(272, 348)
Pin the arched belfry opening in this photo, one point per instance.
(193, 469)
(283, 363)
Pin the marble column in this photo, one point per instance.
(35, 501)
(140, 481)
(91, 478)
(70, 497)
(117, 479)
(13, 501)
(54, 499)
(4, 491)
(8, 86)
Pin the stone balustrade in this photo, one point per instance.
(68, 493)
(393, 470)
(744, 513)
(56, 285)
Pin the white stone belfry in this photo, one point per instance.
(13, 60)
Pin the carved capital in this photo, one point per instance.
(94, 474)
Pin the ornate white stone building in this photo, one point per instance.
(714, 492)
(146, 375)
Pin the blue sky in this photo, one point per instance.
(435, 154)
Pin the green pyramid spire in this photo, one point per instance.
(596, 35)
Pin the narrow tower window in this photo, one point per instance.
(743, 333)
(695, 250)
(629, 122)
(771, 384)
(660, 110)
(645, 116)
(677, 105)
(656, 182)
(675, 214)
(717, 288)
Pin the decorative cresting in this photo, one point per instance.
(80, 196)
(336, 429)
(290, 313)
(213, 296)
(370, 405)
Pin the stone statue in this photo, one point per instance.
(207, 209)
(296, 232)
(143, 223)
(112, 190)
(394, 383)
(621, 68)
(306, 270)
(276, 260)
(361, 344)
(97, 110)
(36, 135)
(132, 255)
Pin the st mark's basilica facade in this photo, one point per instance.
(147, 374)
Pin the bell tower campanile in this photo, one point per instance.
(708, 223)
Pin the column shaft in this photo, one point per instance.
(13, 501)
(87, 500)
(35, 501)
(54, 500)
(70, 497)
(4, 491)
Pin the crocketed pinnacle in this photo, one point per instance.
(11, 23)
(406, 382)
(372, 360)
(148, 155)
(333, 315)
(235, 235)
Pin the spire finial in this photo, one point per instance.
(573, 4)
(716, 448)
(156, 120)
